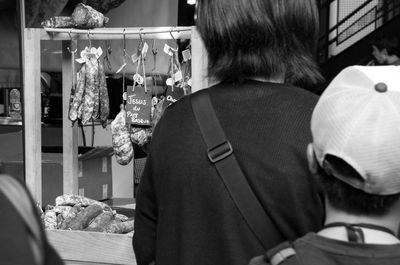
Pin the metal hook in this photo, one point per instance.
(69, 48)
(140, 34)
(172, 36)
(124, 42)
(90, 41)
(141, 40)
(154, 51)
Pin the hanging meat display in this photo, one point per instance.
(89, 100)
(123, 148)
(83, 17)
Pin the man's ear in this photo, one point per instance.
(312, 161)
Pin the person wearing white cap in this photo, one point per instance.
(355, 156)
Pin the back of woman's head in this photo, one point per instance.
(260, 38)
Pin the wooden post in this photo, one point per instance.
(70, 132)
(32, 112)
(199, 62)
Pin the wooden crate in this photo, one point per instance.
(90, 248)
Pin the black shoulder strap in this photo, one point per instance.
(20, 199)
(220, 153)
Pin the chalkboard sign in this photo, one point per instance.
(172, 95)
(138, 106)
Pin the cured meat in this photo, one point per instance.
(85, 216)
(141, 136)
(90, 88)
(86, 17)
(100, 223)
(58, 22)
(50, 219)
(119, 227)
(77, 94)
(121, 141)
(72, 199)
(104, 99)
(96, 92)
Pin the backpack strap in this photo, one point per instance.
(18, 196)
(280, 253)
(220, 153)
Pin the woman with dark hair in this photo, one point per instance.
(257, 51)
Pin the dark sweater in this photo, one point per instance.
(184, 214)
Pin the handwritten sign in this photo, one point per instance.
(172, 95)
(138, 106)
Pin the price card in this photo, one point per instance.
(172, 95)
(186, 54)
(138, 106)
(144, 50)
(168, 50)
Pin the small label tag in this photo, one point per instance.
(81, 192)
(135, 57)
(105, 191)
(138, 106)
(80, 60)
(178, 76)
(189, 82)
(144, 50)
(98, 52)
(124, 96)
(138, 79)
(104, 165)
(172, 95)
(187, 55)
(80, 169)
(168, 50)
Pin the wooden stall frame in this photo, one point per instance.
(32, 101)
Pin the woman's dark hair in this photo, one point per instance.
(260, 38)
(390, 43)
(344, 197)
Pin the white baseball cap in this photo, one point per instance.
(357, 119)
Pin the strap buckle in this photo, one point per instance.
(219, 151)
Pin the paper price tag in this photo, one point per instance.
(80, 60)
(135, 57)
(144, 50)
(138, 106)
(98, 52)
(168, 50)
(187, 55)
(178, 76)
(138, 79)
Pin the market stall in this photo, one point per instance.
(32, 108)
(99, 245)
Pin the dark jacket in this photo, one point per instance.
(184, 214)
(14, 236)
